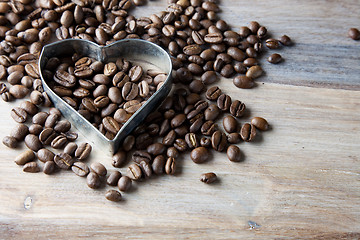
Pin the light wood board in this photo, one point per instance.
(299, 180)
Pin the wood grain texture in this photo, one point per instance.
(299, 180)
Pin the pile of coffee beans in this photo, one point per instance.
(203, 47)
(106, 94)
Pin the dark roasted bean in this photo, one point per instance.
(218, 141)
(80, 169)
(208, 177)
(233, 153)
(260, 123)
(248, 132)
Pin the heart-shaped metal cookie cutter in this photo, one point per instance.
(130, 49)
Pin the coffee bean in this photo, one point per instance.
(36, 96)
(25, 157)
(59, 142)
(274, 58)
(31, 167)
(213, 93)
(230, 124)
(158, 164)
(192, 140)
(193, 49)
(272, 43)
(260, 123)
(134, 172)
(146, 169)
(45, 155)
(180, 145)
(212, 112)
(29, 107)
(98, 168)
(19, 114)
(130, 91)
(70, 148)
(83, 151)
(209, 77)
(213, 38)
(63, 161)
(33, 142)
(111, 125)
(286, 41)
(49, 167)
(237, 108)
(218, 141)
(47, 136)
(243, 82)
(170, 166)
(156, 149)
(113, 178)
(124, 183)
(208, 177)
(64, 78)
(113, 195)
(208, 128)
(80, 169)
(224, 102)
(199, 155)
(143, 140)
(248, 132)
(40, 118)
(62, 126)
(10, 142)
(35, 129)
(233, 153)
(139, 156)
(119, 159)
(172, 152)
(19, 132)
(93, 180)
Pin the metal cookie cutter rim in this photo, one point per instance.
(130, 49)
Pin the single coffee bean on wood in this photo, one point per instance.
(230, 124)
(260, 123)
(124, 183)
(208, 177)
(10, 142)
(25, 157)
(45, 155)
(248, 132)
(113, 178)
(93, 180)
(49, 167)
(31, 167)
(199, 155)
(119, 159)
(134, 172)
(63, 161)
(113, 195)
(218, 141)
(80, 169)
(98, 168)
(233, 153)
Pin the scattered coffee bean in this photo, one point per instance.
(33, 142)
(170, 166)
(208, 177)
(49, 167)
(113, 195)
(134, 172)
(83, 151)
(93, 180)
(243, 82)
(31, 167)
(80, 169)
(113, 178)
(98, 168)
(124, 183)
(233, 153)
(63, 161)
(218, 141)
(25, 157)
(234, 138)
(230, 124)
(274, 58)
(248, 132)
(158, 164)
(119, 159)
(199, 155)
(45, 155)
(254, 72)
(10, 142)
(260, 123)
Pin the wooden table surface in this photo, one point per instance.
(299, 180)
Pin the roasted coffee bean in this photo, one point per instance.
(134, 172)
(236, 54)
(180, 145)
(36, 96)
(70, 136)
(59, 142)
(224, 102)
(128, 143)
(70, 148)
(286, 41)
(199, 155)
(119, 159)
(248, 132)
(15, 77)
(113, 195)
(233, 153)
(237, 108)
(111, 125)
(98, 168)
(109, 110)
(80, 169)
(132, 106)
(146, 169)
(40, 118)
(29, 107)
(35, 129)
(143, 140)
(274, 58)
(124, 183)
(208, 128)
(192, 140)
(139, 156)
(158, 164)
(230, 124)
(178, 120)
(19, 132)
(172, 152)
(25, 157)
(31, 167)
(212, 112)
(243, 82)
(260, 123)
(208, 177)
(62, 126)
(19, 114)
(135, 73)
(170, 166)
(218, 141)
(45, 155)
(49, 167)
(209, 77)
(88, 103)
(272, 43)
(47, 136)
(156, 149)
(169, 139)
(205, 142)
(213, 93)
(196, 86)
(19, 91)
(33, 142)
(10, 142)
(7, 97)
(213, 38)
(64, 78)
(113, 178)
(93, 180)
(63, 161)
(83, 151)
(234, 138)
